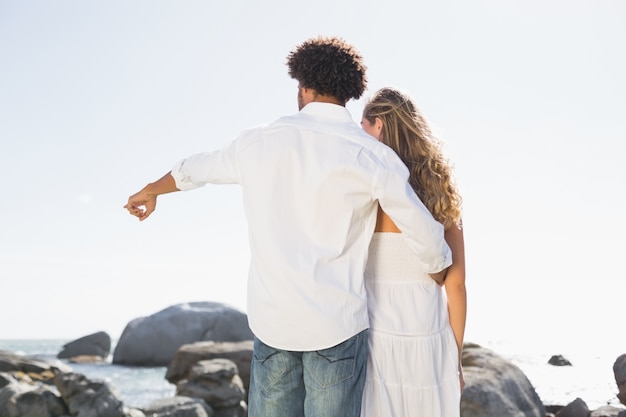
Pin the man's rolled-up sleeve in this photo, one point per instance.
(216, 167)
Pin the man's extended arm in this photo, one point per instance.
(142, 204)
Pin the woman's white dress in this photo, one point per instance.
(413, 359)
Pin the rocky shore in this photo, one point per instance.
(207, 348)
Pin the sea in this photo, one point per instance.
(590, 377)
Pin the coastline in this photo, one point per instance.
(590, 378)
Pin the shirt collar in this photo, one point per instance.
(333, 111)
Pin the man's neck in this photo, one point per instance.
(309, 95)
(323, 98)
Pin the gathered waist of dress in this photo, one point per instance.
(441, 330)
(390, 257)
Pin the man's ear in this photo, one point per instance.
(307, 95)
(308, 92)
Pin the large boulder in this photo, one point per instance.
(188, 355)
(153, 340)
(495, 387)
(96, 344)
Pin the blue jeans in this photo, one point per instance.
(322, 383)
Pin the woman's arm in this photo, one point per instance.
(455, 288)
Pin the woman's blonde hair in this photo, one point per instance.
(406, 131)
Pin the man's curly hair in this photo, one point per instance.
(330, 66)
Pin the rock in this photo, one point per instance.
(179, 407)
(21, 366)
(558, 360)
(577, 408)
(86, 359)
(188, 355)
(19, 399)
(606, 411)
(88, 398)
(619, 370)
(96, 344)
(239, 411)
(496, 387)
(215, 381)
(133, 412)
(40, 402)
(9, 391)
(552, 409)
(153, 340)
(6, 379)
(80, 397)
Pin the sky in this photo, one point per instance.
(99, 98)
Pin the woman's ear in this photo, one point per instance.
(378, 125)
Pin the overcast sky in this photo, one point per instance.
(98, 98)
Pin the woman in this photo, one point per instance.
(416, 331)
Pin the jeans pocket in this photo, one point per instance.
(328, 367)
(268, 365)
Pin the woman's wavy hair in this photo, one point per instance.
(330, 66)
(406, 131)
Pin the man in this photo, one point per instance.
(311, 186)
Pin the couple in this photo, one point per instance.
(320, 194)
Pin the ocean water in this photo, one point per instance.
(590, 377)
